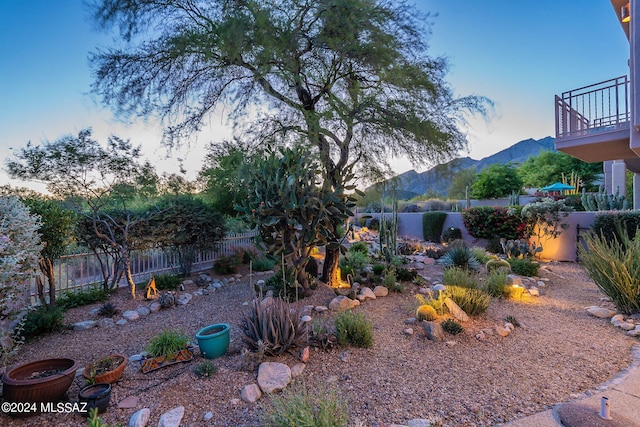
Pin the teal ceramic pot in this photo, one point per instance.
(213, 340)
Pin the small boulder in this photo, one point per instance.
(140, 418)
(367, 293)
(84, 325)
(273, 376)
(251, 393)
(455, 310)
(131, 315)
(342, 303)
(172, 418)
(143, 311)
(502, 331)
(600, 312)
(380, 291)
(434, 331)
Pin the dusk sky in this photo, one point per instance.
(517, 53)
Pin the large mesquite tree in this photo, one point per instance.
(350, 78)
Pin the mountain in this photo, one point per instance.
(438, 178)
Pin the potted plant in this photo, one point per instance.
(167, 348)
(106, 370)
(213, 340)
(44, 380)
(96, 396)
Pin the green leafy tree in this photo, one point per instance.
(549, 166)
(498, 180)
(461, 180)
(290, 208)
(350, 78)
(57, 232)
(224, 174)
(183, 225)
(102, 182)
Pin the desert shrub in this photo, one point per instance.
(167, 282)
(227, 265)
(494, 246)
(297, 405)
(272, 328)
(487, 222)
(406, 275)
(460, 256)
(426, 312)
(608, 224)
(432, 223)
(434, 252)
(82, 297)
(42, 320)
(378, 269)
(472, 301)
(263, 264)
(390, 281)
(409, 247)
(456, 276)
(353, 328)
(524, 266)
(352, 262)
(452, 327)
(374, 224)
(615, 268)
(167, 342)
(206, 369)
(451, 234)
(359, 247)
(495, 284)
(283, 287)
(480, 254)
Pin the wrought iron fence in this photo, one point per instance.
(77, 271)
(600, 107)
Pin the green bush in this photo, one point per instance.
(608, 223)
(206, 369)
(166, 343)
(452, 327)
(487, 222)
(353, 328)
(227, 265)
(263, 264)
(524, 266)
(297, 405)
(283, 287)
(451, 234)
(82, 297)
(495, 284)
(359, 247)
(406, 275)
(42, 320)
(472, 301)
(167, 282)
(378, 269)
(390, 281)
(432, 223)
(615, 268)
(352, 262)
(480, 254)
(457, 276)
(494, 246)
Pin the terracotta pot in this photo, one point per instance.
(106, 377)
(20, 384)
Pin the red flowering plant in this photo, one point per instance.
(488, 222)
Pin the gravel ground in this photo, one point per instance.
(559, 353)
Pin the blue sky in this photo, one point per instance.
(517, 53)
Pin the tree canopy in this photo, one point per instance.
(349, 78)
(498, 180)
(549, 166)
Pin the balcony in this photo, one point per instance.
(592, 122)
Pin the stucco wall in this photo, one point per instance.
(562, 248)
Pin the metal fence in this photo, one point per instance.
(76, 271)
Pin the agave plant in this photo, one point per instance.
(460, 256)
(272, 327)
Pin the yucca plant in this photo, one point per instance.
(615, 268)
(272, 327)
(460, 256)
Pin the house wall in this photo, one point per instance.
(563, 248)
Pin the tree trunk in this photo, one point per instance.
(46, 267)
(127, 272)
(330, 267)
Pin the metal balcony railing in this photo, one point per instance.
(601, 107)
